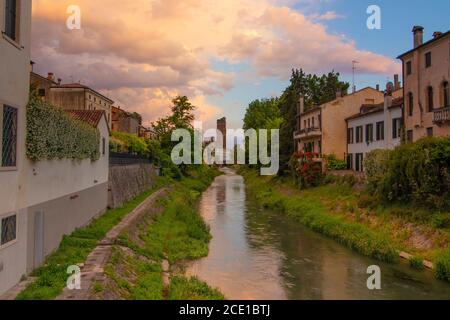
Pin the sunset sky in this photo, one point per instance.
(222, 54)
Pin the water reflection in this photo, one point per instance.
(260, 254)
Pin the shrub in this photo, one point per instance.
(334, 164)
(417, 173)
(307, 171)
(441, 221)
(128, 143)
(53, 134)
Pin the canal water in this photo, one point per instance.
(262, 254)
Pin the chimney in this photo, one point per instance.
(418, 36)
(396, 82)
(59, 81)
(301, 104)
(378, 87)
(437, 34)
(51, 76)
(388, 95)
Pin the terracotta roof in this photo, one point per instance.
(374, 108)
(91, 117)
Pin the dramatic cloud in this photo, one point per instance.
(143, 53)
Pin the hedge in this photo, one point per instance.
(417, 173)
(53, 134)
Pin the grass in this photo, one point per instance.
(443, 265)
(176, 235)
(74, 249)
(182, 288)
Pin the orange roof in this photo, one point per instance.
(91, 117)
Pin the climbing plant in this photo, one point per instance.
(53, 134)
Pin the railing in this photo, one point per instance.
(307, 131)
(121, 159)
(442, 115)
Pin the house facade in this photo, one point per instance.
(323, 129)
(126, 122)
(42, 84)
(15, 24)
(426, 74)
(376, 126)
(76, 96)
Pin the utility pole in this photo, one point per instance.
(354, 62)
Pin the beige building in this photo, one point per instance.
(323, 129)
(15, 23)
(426, 74)
(43, 84)
(126, 122)
(76, 96)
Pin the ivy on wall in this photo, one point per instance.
(53, 134)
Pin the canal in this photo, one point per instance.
(261, 254)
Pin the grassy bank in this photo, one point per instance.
(74, 249)
(338, 211)
(176, 234)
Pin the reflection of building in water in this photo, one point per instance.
(222, 127)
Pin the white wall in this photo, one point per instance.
(387, 143)
(14, 87)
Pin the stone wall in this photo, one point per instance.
(127, 181)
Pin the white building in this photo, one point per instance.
(376, 126)
(39, 201)
(15, 24)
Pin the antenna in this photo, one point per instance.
(354, 62)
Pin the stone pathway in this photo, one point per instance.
(93, 270)
(12, 293)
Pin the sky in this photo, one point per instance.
(222, 54)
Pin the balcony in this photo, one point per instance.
(441, 115)
(308, 133)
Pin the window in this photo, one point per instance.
(430, 99)
(41, 92)
(409, 136)
(446, 94)
(103, 146)
(309, 123)
(408, 68)
(359, 134)
(304, 124)
(430, 132)
(369, 133)
(359, 162)
(8, 230)
(350, 136)
(410, 104)
(350, 161)
(396, 128)
(10, 19)
(380, 130)
(427, 59)
(9, 137)
(313, 122)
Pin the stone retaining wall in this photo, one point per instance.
(128, 181)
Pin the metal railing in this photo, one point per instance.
(121, 159)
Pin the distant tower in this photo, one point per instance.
(222, 127)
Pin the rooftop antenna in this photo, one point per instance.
(354, 62)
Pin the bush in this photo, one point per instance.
(335, 164)
(307, 171)
(128, 143)
(417, 173)
(53, 134)
(441, 221)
